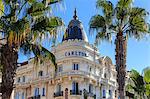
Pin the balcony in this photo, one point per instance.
(77, 72)
(58, 94)
(42, 78)
(75, 92)
(35, 97)
(91, 95)
(22, 84)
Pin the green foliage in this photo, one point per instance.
(38, 9)
(123, 18)
(147, 81)
(39, 51)
(23, 31)
(1, 7)
(54, 1)
(140, 84)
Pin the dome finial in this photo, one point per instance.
(75, 14)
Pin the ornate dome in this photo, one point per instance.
(75, 30)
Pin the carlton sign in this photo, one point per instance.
(76, 53)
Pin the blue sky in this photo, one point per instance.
(138, 52)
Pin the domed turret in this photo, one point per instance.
(75, 30)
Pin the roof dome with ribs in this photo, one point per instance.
(75, 30)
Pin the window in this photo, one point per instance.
(75, 66)
(40, 73)
(23, 79)
(83, 54)
(76, 53)
(36, 91)
(68, 53)
(59, 88)
(90, 69)
(17, 95)
(75, 87)
(110, 93)
(23, 95)
(18, 79)
(104, 94)
(72, 52)
(43, 92)
(79, 53)
(105, 75)
(60, 69)
(90, 88)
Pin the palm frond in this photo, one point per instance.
(122, 10)
(39, 52)
(38, 9)
(124, 3)
(108, 9)
(53, 2)
(103, 36)
(44, 25)
(1, 8)
(136, 11)
(97, 22)
(18, 31)
(147, 75)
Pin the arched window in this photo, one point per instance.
(90, 88)
(76, 53)
(90, 69)
(58, 88)
(17, 95)
(110, 93)
(75, 66)
(43, 92)
(18, 79)
(75, 87)
(79, 53)
(72, 52)
(68, 53)
(60, 68)
(104, 93)
(23, 79)
(23, 95)
(40, 73)
(105, 75)
(36, 91)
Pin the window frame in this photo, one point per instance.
(75, 66)
(43, 91)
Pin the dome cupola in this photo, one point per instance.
(75, 30)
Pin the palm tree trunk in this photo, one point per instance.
(9, 62)
(121, 63)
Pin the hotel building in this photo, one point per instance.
(82, 73)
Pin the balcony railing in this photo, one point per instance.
(35, 97)
(92, 95)
(58, 94)
(77, 72)
(75, 92)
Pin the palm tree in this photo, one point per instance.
(123, 21)
(136, 84)
(147, 81)
(23, 24)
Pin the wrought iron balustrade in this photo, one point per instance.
(75, 92)
(58, 94)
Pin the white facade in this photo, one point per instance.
(81, 72)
